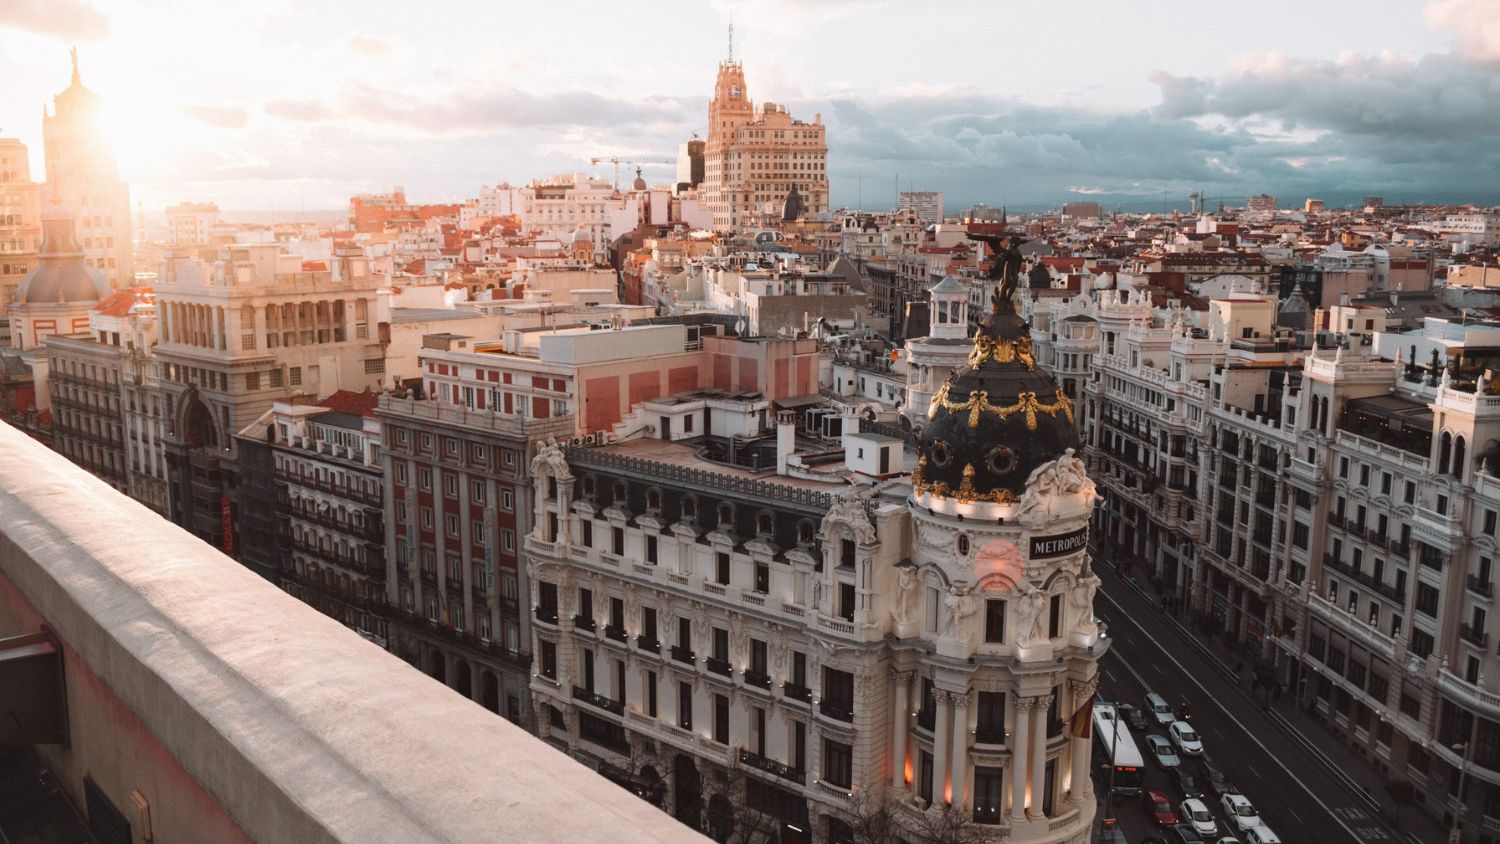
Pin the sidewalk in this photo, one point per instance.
(1342, 760)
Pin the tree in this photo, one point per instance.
(886, 823)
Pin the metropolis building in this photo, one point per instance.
(806, 652)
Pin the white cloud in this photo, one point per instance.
(1474, 23)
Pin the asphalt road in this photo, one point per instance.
(1300, 799)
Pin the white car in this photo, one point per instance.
(1261, 835)
(1240, 811)
(1186, 738)
(1195, 813)
(1157, 706)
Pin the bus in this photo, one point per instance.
(1115, 748)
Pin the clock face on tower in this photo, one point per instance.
(734, 92)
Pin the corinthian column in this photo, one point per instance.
(960, 760)
(1019, 748)
(1038, 752)
(900, 728)
(940, 742)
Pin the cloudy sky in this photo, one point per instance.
(280, 104)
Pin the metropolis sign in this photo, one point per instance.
(1058, 545)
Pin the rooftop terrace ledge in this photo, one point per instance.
(239, 713)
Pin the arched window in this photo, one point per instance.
(726, 514)
(653, 499)
(1445, 452)
(805, 533)
(587, 486)
(619, 493)
(689, 507)
(1458, 458)
(763, 524)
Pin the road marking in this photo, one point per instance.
(1251, 769)
(1215, 700)
(1296, 817)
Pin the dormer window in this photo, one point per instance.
(726, 515)
(619, 496)
(689, 507)
(763, 524)
(805, 533)
(653, 499)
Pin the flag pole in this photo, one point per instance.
(1114, 741)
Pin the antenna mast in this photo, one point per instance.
(731, 40)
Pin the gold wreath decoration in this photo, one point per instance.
(978, 404)
(1001, 351)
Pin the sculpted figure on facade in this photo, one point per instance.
(906, 582)
(1031, 618)
(960, 605)
(550, 460)
(849, 509)
(1081, 596)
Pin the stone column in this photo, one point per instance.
(900, 728)
(1038, 752)
(1082, 788)
(1019, 747)
(940, 742)
(960, 760)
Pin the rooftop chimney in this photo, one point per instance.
(786, 438)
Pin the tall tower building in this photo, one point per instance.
(753, 159)
(83, 176)
(20, 225)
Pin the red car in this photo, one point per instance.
(1160, 808)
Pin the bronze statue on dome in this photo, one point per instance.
(1006, 269)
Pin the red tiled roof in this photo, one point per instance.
(119, 303)
(348, 401)
(315, 266)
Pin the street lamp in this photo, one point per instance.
(1454, 833)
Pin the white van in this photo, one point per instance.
(1260, 835)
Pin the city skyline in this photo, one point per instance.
(1396, 102)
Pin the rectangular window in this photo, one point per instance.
(924, 777)
(294, 375)
(990, 728)
(994, 621)
(586, 533)
(651, 693)
(847, 601)
(988, 788)
(762, 577)
(838, 763)
(721, 568)
(721, 719)
(685, 705)
(549, 660)
(651, 550)
(617, 541)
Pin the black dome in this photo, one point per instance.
(995, 421)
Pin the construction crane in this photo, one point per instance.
(617, 161)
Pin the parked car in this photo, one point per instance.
(1228, 839)
(1240, 810)
(1160, 808)
(1186, 738)
(1160, 711)
(1187, 783)
(1195, 813)
(1261, 835)
(1133, 716)
(1162, 750)
(1184, 834)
